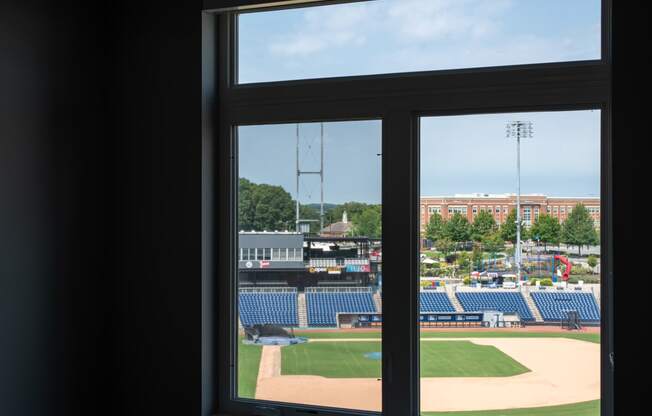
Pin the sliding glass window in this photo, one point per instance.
(510, 302)
(408, 207)
(312, 190)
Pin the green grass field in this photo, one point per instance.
(248, 362)
(438, 359)
(595, 338)
(591, 408)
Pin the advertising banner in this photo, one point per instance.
(358, 268)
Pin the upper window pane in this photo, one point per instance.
(387, 36)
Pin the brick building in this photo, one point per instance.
(500, 205)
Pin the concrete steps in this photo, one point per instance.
(456, 303)
(378, 301)
(533, 307)
(302, 312)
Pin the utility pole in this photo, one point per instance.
(319, 172)
(518, 130)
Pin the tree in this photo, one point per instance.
(368, 222)
(307, 212)
(435, 227)
(476, 257)
(578, 229)
(464, 261)
(445, 246)
(457, 229)
(547, 229)
(352, 209)
(592, 261)
(493, 243)
(483, 225)
(264, 207)
(508, 229)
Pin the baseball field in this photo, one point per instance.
(479, 373)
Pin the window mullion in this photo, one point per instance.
(400, 254)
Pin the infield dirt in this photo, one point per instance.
(562, 371)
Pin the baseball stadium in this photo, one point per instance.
(310, 324)
(509, 283)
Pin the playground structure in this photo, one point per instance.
(495, 268)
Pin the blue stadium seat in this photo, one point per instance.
(435, 302)
(497, 301)
(322, 307)
(553, 305)
(279, 308)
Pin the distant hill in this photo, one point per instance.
(327, 206)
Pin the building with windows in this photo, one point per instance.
(287, 258)
(500, 205)
(337, 229)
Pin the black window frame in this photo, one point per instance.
(399, 100)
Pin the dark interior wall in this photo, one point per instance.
(54, 262)
(631, 96)
(100, 206)
(158, 189)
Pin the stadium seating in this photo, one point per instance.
(322, 307)
(279, 308)
(435, 302)
(497, 301)
(552, 305)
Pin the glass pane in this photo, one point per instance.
(510, 264)
(386, 36)
(310, 300)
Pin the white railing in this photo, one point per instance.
(339, 289)
(268, 290)
(327, 262)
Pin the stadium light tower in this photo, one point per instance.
(518, 130)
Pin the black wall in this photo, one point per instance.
(100, 203)
(100, 208)
(56, 266)
(158, 193)
(631, 98)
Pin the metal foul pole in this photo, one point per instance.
(518, 130)
(298, 174)
(517, 251)
(321, 174)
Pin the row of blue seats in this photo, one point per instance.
(553, 306)
(322, 307)
(268, 308)
(499, 301)
(435, 302)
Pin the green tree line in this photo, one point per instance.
(263, 207)
(578, 230)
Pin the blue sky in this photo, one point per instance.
(385, 36)
(352, 166)
(460, 154)
(467, 154)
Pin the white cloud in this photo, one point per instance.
(415, 35)
(435, 19)
(326, 27)
(322, 28)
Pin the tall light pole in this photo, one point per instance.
(518, 130)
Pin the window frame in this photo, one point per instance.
(399, 100)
